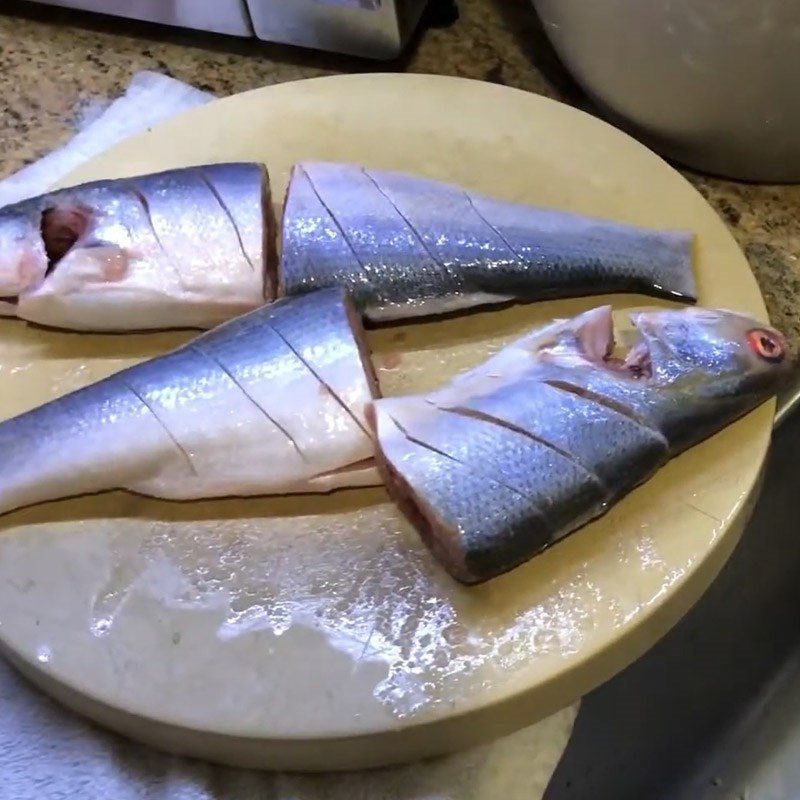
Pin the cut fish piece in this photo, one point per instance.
(269, 403)
(560, 489)
(186, 248)
(548, 433)
(406, 246)
(473, 525)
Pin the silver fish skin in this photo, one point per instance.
(406, 246)
(185, 248)
(555, 428)
(272, 402)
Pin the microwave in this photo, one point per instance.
(376, 29)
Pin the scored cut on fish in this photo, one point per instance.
(184, 248)
(406, 246)
(272, 402)
(552, 430)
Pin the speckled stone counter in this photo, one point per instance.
(53, 63)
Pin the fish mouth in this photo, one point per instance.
(624, 353)
(61, 229)
(49, 237)
(635, 363)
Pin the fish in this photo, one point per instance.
(554, 429)
(184, 248)
(406, 246)
(271, 402)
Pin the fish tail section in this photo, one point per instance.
(95, 439)
(668, 268)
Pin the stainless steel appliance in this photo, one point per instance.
(371, 28)
(374, 28)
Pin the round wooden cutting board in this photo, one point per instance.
(318, 632)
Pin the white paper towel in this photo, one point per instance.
(149, 99)
(518, 767)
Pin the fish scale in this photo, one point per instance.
(480, 517)
(286, 387)
(203, 218)
(184, 248)
(406, 246)
(307, 327)
(240, 410)
(444, 222)
(397, 265)
(549, 432)
(557, 488)
(75, 427)
(315, 245)
(604, 442)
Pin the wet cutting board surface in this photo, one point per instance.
(318, 632)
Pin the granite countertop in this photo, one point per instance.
(55, 61)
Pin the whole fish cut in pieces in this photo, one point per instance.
(269, 403)
(555, 428)
(406, 246)
(185, 248)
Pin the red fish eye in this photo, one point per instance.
(766, 345)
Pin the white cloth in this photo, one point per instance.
(47, 753)
(76, 758)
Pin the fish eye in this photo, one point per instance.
(767, 345)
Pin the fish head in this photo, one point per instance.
(23, 258)
(712, 351)
(705, 368)
(688, 372)
(35, 235)
(716, 352)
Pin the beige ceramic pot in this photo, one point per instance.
(714, 84)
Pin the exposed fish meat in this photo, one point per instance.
(405, 246)
(271, 402)
(548, 433)
(185, 248)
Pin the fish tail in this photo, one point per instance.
(68, 447)
(40, 462)
(668, 272)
